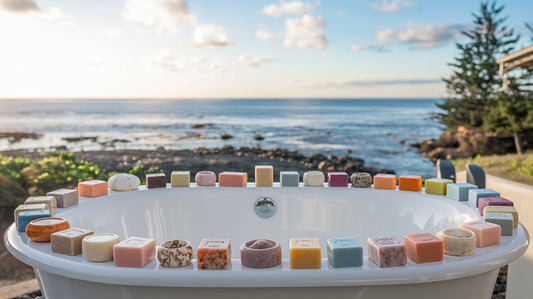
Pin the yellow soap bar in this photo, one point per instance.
(180, 179)
(503, 209)
(305, 253)
(264, 176)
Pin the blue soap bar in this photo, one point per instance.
(25, 217)
(345, 252)
(476, 194)
(504, 220)
(289, 178)
(459, 191)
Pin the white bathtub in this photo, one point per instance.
(224, 212)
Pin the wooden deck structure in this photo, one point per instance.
(520, 58)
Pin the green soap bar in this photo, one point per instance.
(437, 186)
(504, 220)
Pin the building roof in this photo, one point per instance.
(520, 58)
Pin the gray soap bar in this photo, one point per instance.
(504, 220)
(475, 194)
(459, 191)
(345, 252)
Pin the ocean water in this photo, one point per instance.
(376, 130)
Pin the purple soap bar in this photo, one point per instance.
(492, 201)
(205, 178)
(260, 254)
(337, 179)
(387, 251)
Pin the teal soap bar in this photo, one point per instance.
(289, 178)
(504, 220)
(459, 191)
(25, 217)
(345, 252)
(475, 194)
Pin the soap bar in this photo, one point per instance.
(337, 179)
(68, 241)
(386, 252)
(25, 217)
(134, 252)
(305, 253)
(361, 180)
(232, 179)
(385, 181)
(424, 248)
(504, 209)
(65, 197)
(21, 208)
(487, 234)
(39, 230)
(475, 194)
(264, 176)
(407, 182)
(205, 178)
(492, 201)
(314, 179)
(345, 252)
(504, 220)
(214, 254)
(458, 241)
(156, 180)
(459, 191)
(50, 201)
(123, 182)
(93, 188)
(437, 186)
(175, 253)
(99, 247)
(289, 178)
(180, 179)
(261, 254)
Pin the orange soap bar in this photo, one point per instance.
(232, 179)
(214, 254)
(305, 253)
(40, 230)
(92, 188)
(487, 234)
(385, 181)
(424, 248)
(407, 182)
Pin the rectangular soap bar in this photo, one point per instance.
(21, 208)
(305, 253)
(386, 252)
(407, 182)
(492, 201)
(504, 209)
(475, 194)
(25, 217)
(134, 252)
(180, 179)
(504, 220)
(289, 178)
(345, 252)
(487, 234)
(214, 254)
(156, 180)
(93, 188)
(68, 241)
(437, 186)
(337, 179)
(50, 201)
(424, 248)
(65, 197)
(459, 191)
(264, 176)
(232, 179)
(385, 181)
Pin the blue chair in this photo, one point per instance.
(475, 175)
(445, 170)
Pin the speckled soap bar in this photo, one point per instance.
(361, 180)
(459, 191)
(504, 220)
(345, 252)
(387, 252)
(458, 241)
(214, 254)
(475, 194)
(260, 254)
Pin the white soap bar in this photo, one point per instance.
(458, 241)
(99, 247)
(314, 179)
(124, 182)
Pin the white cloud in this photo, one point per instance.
(288, 8)
(358, 48)
(391, 5)
(253, 61)
(210, 36)
(305, 32)
(265, 34)
(421, 36)
(113, 33)
(20, 6)
(162, 14)
(166, 60)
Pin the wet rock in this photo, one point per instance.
(259, 137)
(226, 136)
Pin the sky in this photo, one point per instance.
(234, 49)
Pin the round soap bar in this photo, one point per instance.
(39, 230)
(458, 241)
(361, 180)
(314, 179)
(175, 253)
(99, 247)
(205, 178)
(260, 254)
(124, 182)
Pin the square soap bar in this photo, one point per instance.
(504, 220)
(305, 253)
(337, 179)
(407, 182)
(289, 178)
(26, 217)
(437, 186)
(459, 191)
(386, 252)
(50, 201)
(264, 176)
(345, 252)
(504, 209)
(492, 201)
(180, 179)
(214, 254)
(424, 248)
(475, 194)
(21, 208)
(385, 181)
(134, 252)
(487, 234)
(68, 241)
(93, 188)
(232, 179)
(156, 180)
(65, 197)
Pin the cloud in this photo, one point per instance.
(113, 33)
(253, 61)
(210, 36)
(421, 36)
(163, 14)
(391, 5)
(376, 82)
(166, 60)
(265, 34)
(305, 32)
(20, 6)
(287, 8)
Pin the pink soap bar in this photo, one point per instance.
(337, 179)
(232, 179)
(205, 178)
(487, 234)
(387, 252)
(134, 252)
(492, 201)
(93, 188)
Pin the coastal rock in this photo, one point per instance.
(124, 182)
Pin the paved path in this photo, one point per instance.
(19, 289)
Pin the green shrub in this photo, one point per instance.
(141, 172)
